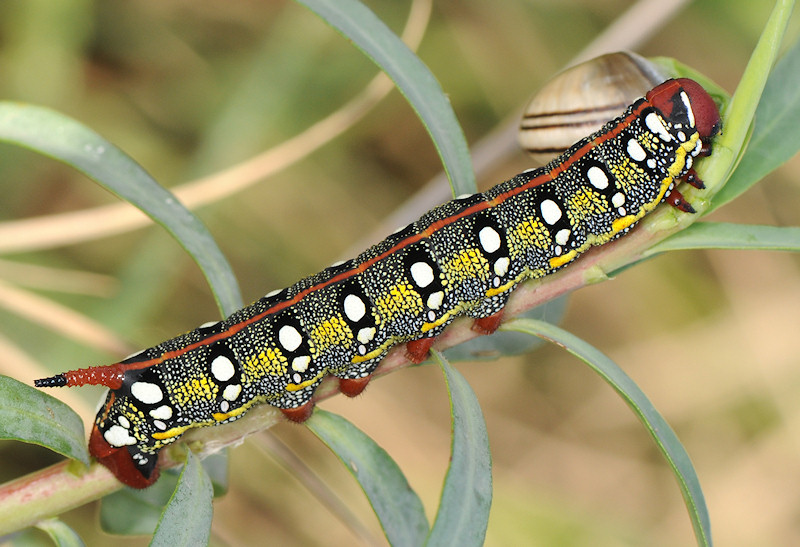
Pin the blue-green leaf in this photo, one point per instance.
(723, 235)
(776, 136)
(55, 135)
(414, 80)
(31, 416)
(463, 514)
(61, 534)
(187, 518)
(396, 505)
(739, 112)
(672, 449)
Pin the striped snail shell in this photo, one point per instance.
(579, 100)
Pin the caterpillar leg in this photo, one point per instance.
(353, 386)
(679, 202)
(417, 350)
(692, 178)
(488, 325)
(299, 414)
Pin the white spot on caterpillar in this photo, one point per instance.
(618, 199)
(622, 212)
(529, 170)
(337, 263)
(688, 105)
(118, 436)
(681, 136)
(431, 316)
(208, 324)
(272, 293)
(501, 266)
(558, 250)
(163, 412)
(160, 425)
(147, 392)
(222, 369)
(597, 177)
(232, 392)
(300, 364)
(551, 212)
(362, 349)
(635, 150)
(354, 308)
(464, 196)
(490, 239)
(289, 338)
(698, 147)
(422, 274)
(224, 406)
(124, 422)
(366, 334)
(496, 282)
(689, 162)
(562, 236)
(297, 378)
(435, 300)
(651, 163)
(653, 123)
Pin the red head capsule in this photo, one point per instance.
(685, 100)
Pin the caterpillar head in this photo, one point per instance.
(121, 461)
(685, 101)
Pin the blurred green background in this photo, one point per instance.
(189, 88)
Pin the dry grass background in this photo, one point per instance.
(192, 88)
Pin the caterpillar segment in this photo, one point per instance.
(462, 258)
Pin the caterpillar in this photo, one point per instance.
(464, 257)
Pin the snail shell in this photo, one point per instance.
(579, 100)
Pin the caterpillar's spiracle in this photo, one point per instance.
(462, 258)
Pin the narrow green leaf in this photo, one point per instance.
(723, 235)
(57, 136)
(396, 505)
(61, 534)
(31, 416)
(776, 136)
(414, 80)
(187, 518)
(216, 465)
(672, 449)
(738, 114)
(463, 514)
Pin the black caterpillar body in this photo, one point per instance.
(462, 258)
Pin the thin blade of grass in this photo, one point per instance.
(57, 136)
(724, 235)
(672, 449)
(396, 505)
(463, 514)
(776, 135)
(61, 534)
(738, 114)
(414, 80)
